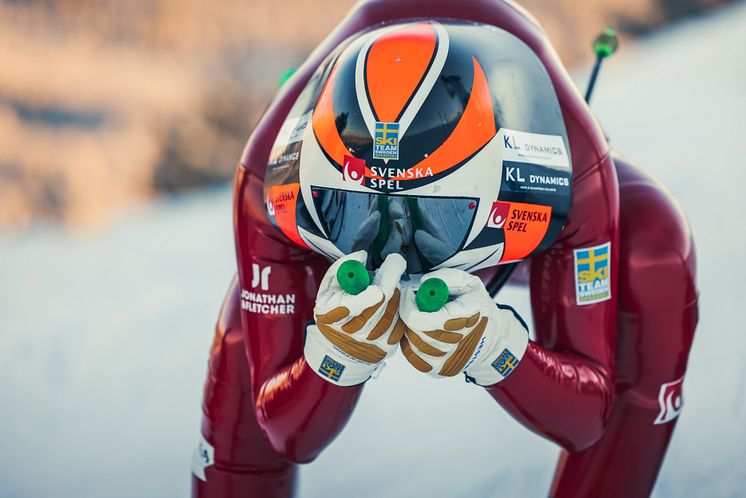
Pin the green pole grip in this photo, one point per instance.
(353, 277)
(606, 43)
(432, 295)
(286, 75)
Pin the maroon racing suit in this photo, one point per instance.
(601, 380)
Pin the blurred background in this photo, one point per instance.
(121, 122)
(109, 102)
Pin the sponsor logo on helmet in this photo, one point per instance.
(292, 130)
(535, 148)
(331, 369)
(521, 218)
(519, 177)
(284, 159)
(671, 401)
(386, 141)
(282, 201)
(524, 226)
(593, 274)
(354, 170)
(498, 215)
(390, 179)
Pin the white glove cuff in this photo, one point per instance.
(509, 351)
(333, 365)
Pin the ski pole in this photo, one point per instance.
(285, 76)
(605, 44)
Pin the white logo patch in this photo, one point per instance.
(259, 300)
(670, 400)
(203, 457)
(260, 274)
(292, 131)
(534, 148)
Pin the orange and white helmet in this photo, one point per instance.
(441, 140)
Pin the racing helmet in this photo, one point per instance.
(442, 140)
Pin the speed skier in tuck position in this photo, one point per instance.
(440, 139)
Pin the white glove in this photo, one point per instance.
(470, 333)
(354, 334)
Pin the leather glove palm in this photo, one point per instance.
(468, 334)
(353, 334)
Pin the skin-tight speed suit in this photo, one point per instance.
(602, 380)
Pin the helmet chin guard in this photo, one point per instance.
(440, 140)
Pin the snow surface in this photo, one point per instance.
(103, 337)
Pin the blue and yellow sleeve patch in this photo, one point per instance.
(331, 369)
(593, 274)
(505, 363)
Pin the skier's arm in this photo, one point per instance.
(298, 411)
(564, 386)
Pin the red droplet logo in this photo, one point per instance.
(354, 170)
(498, 215)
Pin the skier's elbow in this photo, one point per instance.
(287, 443)
(597, 419)
(296, 453)
(301, 458)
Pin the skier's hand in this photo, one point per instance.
(470, 333)
(354, 334)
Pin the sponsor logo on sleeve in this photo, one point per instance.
(593, 274)
(386, 141)
(203, 457)
(671, 401)
(260, 276)
(331, 369)
(476, 353)
(354, 170)
(260, 299)
(505, 363)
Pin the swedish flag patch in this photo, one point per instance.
(593, 274)
(331, 369)
(505, 363)
(386, 141)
